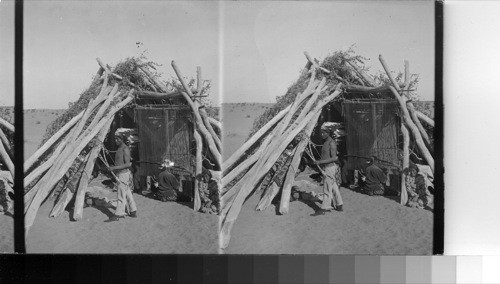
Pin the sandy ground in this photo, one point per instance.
(368, 225)
(159, 228)
(6, 234)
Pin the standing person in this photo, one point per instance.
(331, 171)
(375, 179)
(124, 180)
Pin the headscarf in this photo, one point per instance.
(167, 163)
(333, 129)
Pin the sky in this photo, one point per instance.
(6, 53)
(265, 41)
(251, 51)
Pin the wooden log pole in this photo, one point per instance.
(204, 131)
(262, 153)
(215, 123)
(208, 125)
(406, 163)
(409, 105)
(268, 196)
(365, 89)
(181, 79)
(50, 143)
(407, 75)
(44, 186)
(247, 183)
(425, 118)
(158, 83)
(199, 121)
(264, 149)
(6, 144)
(69, 138)
(107, 69)
(292, 170)
(68, 191)
(368, 80)
(314, 63)
(87, 173)
(157, 95)
(229, 163)
(414, 130)
(198, 171)
(7, 125)
(199, 81)
(6, 159)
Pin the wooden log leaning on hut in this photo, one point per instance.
(425, 118)
(273, 180)
(49, 143)
(246, 184)
(6, 144)
(199, 121)
(69, 188)
(409, 105)
(87, 172)
(229, 163)
(69, 138)
(368, 80)
(208, 125)
(198, 170)
(292, 170)
(7, 125)
(406, 163)
(266, 149)
(46, 183)
(407, 117)
(6, 159)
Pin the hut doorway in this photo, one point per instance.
(373, 129)
(166, 131)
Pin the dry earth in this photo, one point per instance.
(160, 227)
(368, 225)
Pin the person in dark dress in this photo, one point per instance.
(168, 185)
(375, 179)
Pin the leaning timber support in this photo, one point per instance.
(414, 130)
(6, 159)
(69, 189)
(229, 163)
(215, 123)
(208, 125)
(292, 170)
(6, 144)
(7, 125)
(266, 148)
(199, 121)
(362, 74)
(268, 196)
(406, 163)
(409, 106)
(87, 173)
(198, 170)
(247, 183)
(49, 143)
(425, 118)
(44, 186)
